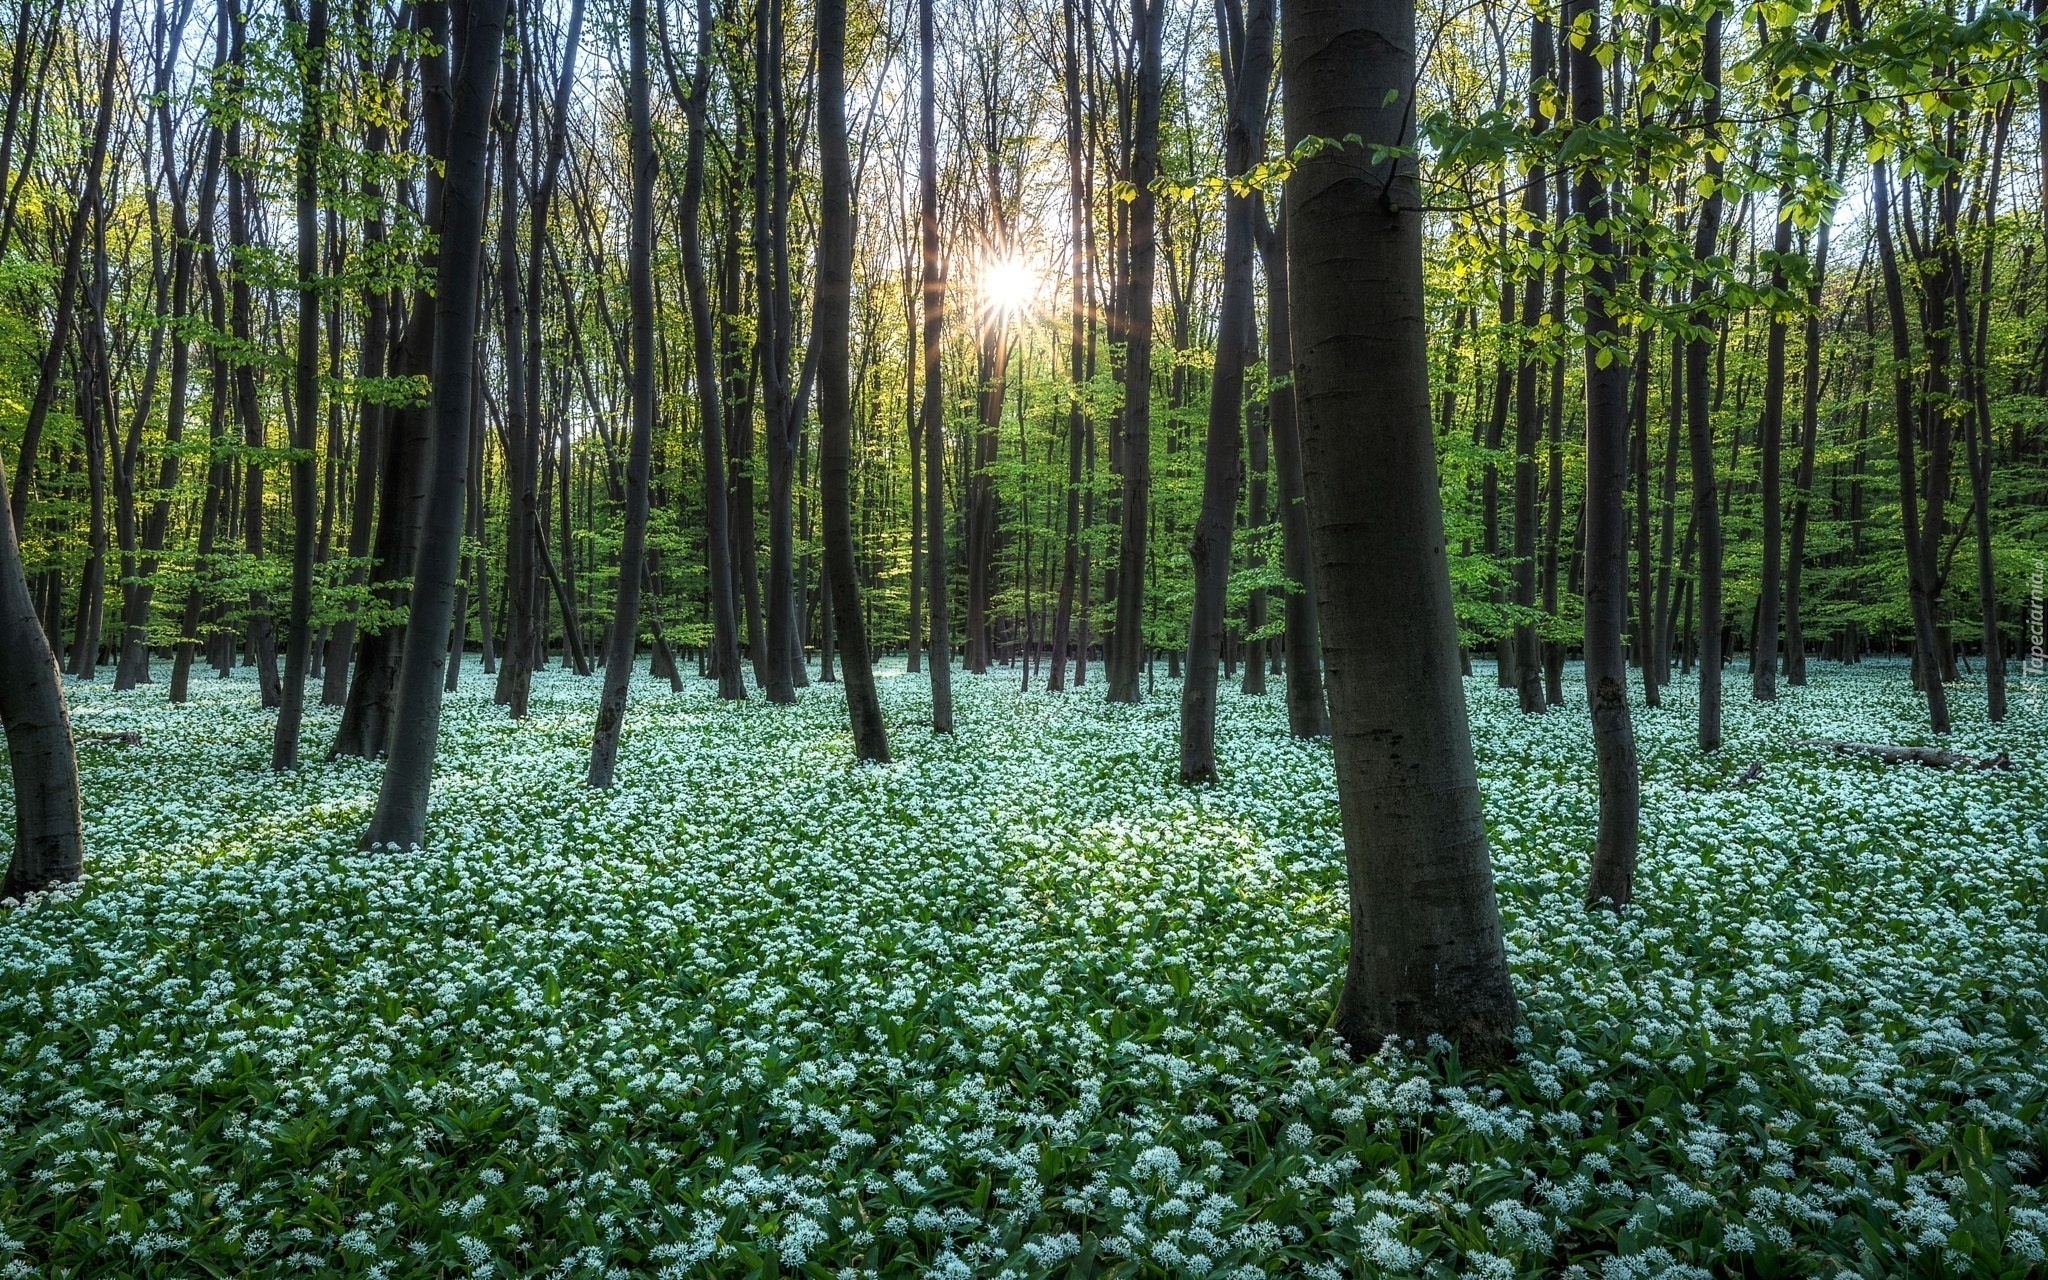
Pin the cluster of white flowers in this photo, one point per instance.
(1016, 1005)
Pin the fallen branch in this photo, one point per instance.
(1754, 773)
(1932, 757)
(126, 737)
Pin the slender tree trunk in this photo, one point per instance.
(835, 399)
(1247, 51)
(1706, 515)
(1426, 950)
(624, 636)
(259, 629)
(1979, 439)
(1660, 644)
(1614, 741)
(134, 668)
(1802, 476)
(541, 202)
(1920, 588)
(401, 814)
(284, 749)
(1127, 644)
(1077, 328)
(1528, 646)
(725, 654)
(67, 278)
(1771, 443)
(1258, 521)
(1307, 711)
(522, 440)
(933, 411)
(370, 411)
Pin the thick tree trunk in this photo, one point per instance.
(772, 344)
(49, 832)
(371, 709)
(401, 814)
(1426, 950)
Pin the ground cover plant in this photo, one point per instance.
(1016, 1004)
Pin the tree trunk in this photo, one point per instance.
(933, 409)
(1307, 711)
(284, 748)
(49, 831)
(1248, 68)
(370, 414)
(624, 637)
(1612, 879)
(1706, 515)
(1077, 325)
(401, 814)
(67, 278)
(835, 393)
(1528, 648)
(1127, 647)
(1802, 476)
(725, 645)
(522, 440)
(1771, 443)
(1920, 587)
(1426, 950)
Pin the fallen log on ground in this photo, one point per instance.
(1932, 757)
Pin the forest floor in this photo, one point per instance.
(1017, 1004)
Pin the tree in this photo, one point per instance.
(625, 629)
(1607, 462)
(933, 411)
(49, 830)
(835, 406)
(284, 749)
(725, 647)
(1699, 409)
(1528, 646)
(400, 817)
(1427, 955)
(1125, 653)
(1246, 38)
(1307, 709)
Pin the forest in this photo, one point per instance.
(1024, 638)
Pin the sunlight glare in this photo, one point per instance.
(1008, 286)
